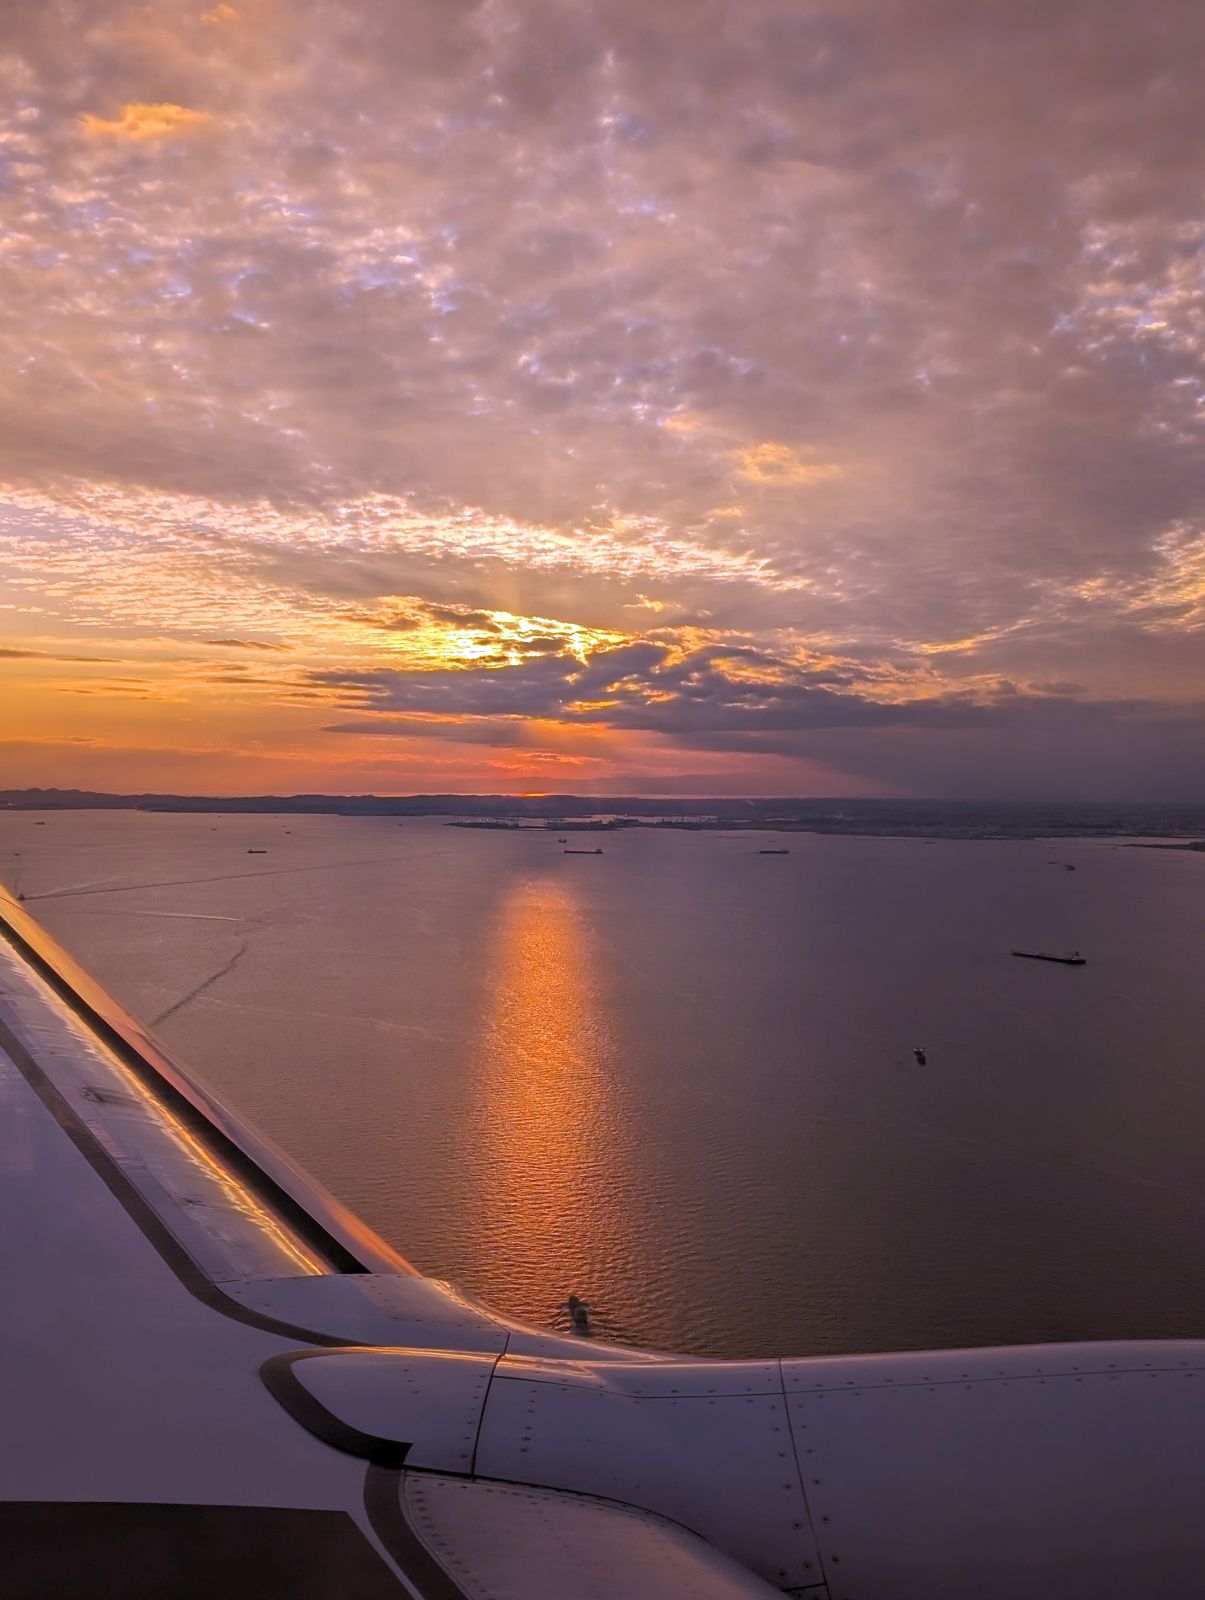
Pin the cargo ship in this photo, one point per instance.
(1073, 960)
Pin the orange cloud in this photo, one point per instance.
(682, 422)
(139, 121)
(778, 465)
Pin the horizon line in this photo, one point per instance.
(578, 798)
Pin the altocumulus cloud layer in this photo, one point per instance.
(716, 394)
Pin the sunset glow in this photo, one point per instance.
(611, 398)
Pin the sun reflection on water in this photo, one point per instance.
(548, 1127)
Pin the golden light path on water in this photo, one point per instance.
(550, 1154)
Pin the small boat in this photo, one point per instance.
(774, 852)
(921, 1057)
(597, 852)
(579, 1315)
(1073, 960)
(562, 841)
(257, 852)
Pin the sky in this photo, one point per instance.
(603, 396)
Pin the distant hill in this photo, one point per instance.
(371, 805)
(935, 819)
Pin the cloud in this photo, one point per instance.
(11, 653)
(874, 329)
(645, 685)
(781, 467)
(139, 122)
(247, 644)
(740, 703)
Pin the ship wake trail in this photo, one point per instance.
(206, 983)
(225, 877)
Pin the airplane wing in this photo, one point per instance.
(214, 1378)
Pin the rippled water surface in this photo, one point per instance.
(677, 1079)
